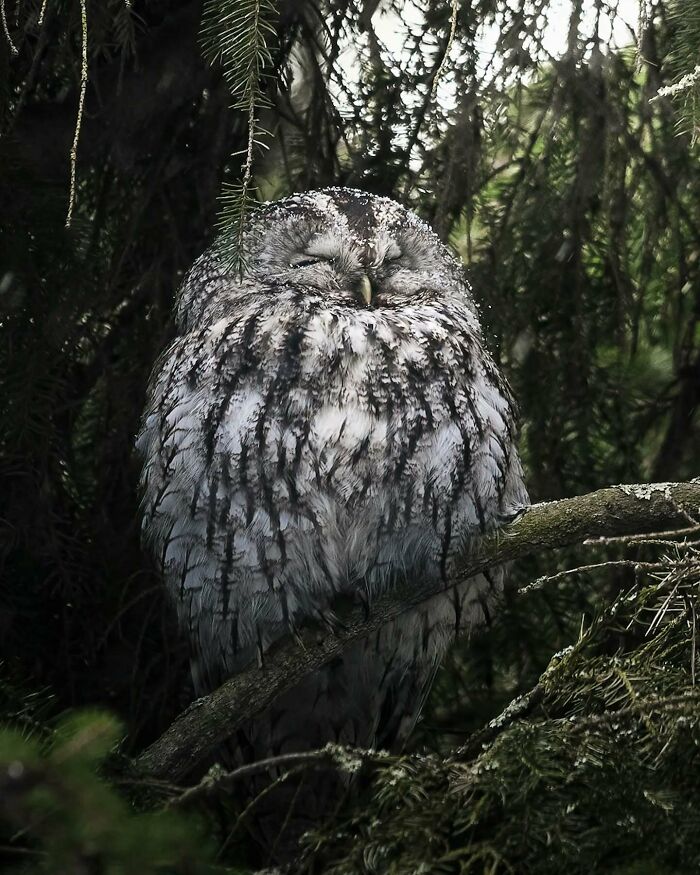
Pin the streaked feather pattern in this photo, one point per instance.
(299, 444)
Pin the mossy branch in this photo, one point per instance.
(610, 512)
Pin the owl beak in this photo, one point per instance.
(365, 289)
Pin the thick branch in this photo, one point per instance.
(617, 510)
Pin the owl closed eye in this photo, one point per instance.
(366, 251)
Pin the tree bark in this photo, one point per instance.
(614, 511)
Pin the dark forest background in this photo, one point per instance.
(541, 150)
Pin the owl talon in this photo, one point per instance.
(332, 622)
(363, 599)
(293, 630)
(513, 515)
(259, 649)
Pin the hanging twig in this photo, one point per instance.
(583, 569)
(6, 30)
(448, 47)
(81, 110)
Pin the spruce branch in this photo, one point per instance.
(610, 512)
(235, 34)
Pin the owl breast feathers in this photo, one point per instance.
(325, 424)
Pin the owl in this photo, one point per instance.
(322, 426)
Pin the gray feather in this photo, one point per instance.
(298, 444)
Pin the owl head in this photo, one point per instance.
(358, 248)
(341, 247)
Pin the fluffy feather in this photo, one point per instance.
(299, 444)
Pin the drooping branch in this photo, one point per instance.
(610, 512)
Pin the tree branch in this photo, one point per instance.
(610, 512)
(340, 757)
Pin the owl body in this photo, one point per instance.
(326, 425)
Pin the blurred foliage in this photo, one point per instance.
(63, 817)
(532, 144)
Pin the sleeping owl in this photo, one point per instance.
(321, 426)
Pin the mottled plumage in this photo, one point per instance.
(300, 442)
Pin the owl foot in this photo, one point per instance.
(293, 630)
(362, 597)
(259, 649)
(331, 621)
(511, 516)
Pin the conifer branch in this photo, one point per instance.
(610, 512)
(235, 33)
